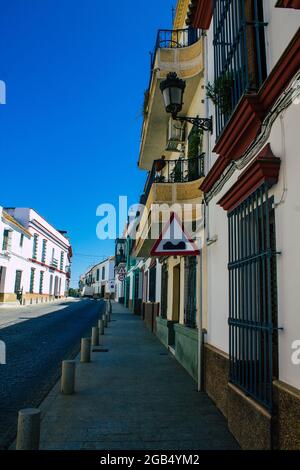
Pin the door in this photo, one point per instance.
(51, 284)
(176, 293)
(56, 286)
(18, 279)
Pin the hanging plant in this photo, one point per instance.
(219, 92)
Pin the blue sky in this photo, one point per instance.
(69, 139)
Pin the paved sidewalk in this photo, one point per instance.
(135, 396)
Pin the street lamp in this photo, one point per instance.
(172, 89)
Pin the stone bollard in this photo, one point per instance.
(85, 353)
(68, 377)
(104, 318)
(95, 336)
(108, 306)
(101, 327)
(28, 435)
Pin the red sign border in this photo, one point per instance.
(194, 252)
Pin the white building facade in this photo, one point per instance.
(99, 281)
(252, 219)
(35, 258)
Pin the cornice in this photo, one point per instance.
(264, 169)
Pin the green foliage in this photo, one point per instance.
(219, 92)
(195, 141)
(73, 292)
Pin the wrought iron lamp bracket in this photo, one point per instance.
(202, 123)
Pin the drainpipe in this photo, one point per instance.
(206, 227)
(200, 335)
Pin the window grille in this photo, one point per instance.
(41, 282)
(164, 291)
(44, 251)
(152, 284)
(239, 53)
(35, 246)
(31, 287)
(253, 296)
(190, 291)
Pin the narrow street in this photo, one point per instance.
(133, 395)
(37, 338)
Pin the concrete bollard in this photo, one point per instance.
(85, 353)
(68, 377)
(95, 336)
(108, 306)
(104, 318)
(28, 435)
(101, 327)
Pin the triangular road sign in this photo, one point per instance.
(174, 240)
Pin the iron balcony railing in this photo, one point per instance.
(182, 170)
(54, 263)
(239, 54)
(175, 38)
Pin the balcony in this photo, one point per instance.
(177, 51)
(240, 63)
(174, 39)
(54, 263)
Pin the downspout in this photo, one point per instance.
(206, 224)
(200, 335)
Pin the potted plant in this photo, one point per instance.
(220, 92)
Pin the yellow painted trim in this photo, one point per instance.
(181, 12)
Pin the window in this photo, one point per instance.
(18, 279)
(98, 274)
(6, 240)
(103, 273)
(253, 350)
(31, 286)
(41, 282)
(62, 256)
(190, 310)
(35, 246)
(21, 239)
(152, 284)
(51, 284)
(239, 53)
(44, 251)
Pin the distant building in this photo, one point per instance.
(35, 258)
(99, 280)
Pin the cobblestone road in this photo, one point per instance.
(34, 349)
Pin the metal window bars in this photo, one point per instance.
(239, 53)
(164, 291)
(190, 310)
(253, 296)
(152, 284)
